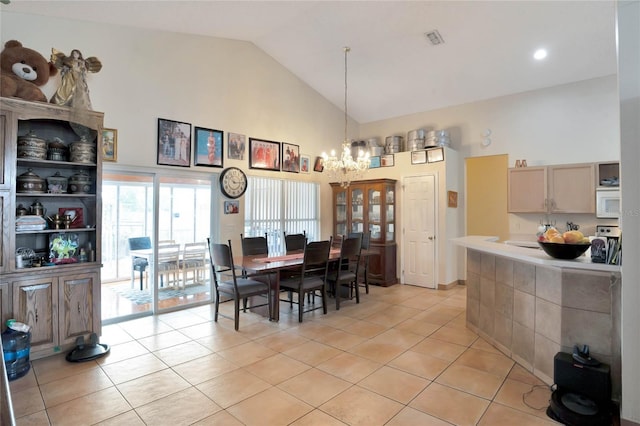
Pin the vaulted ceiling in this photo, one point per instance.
(393, 69)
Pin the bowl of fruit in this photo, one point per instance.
(567, 246)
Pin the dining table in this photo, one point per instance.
(271, 265)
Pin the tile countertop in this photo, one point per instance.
(490, 245)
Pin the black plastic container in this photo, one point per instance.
(16, 345)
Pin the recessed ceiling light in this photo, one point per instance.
(540, 54)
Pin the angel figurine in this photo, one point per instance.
(73, 90)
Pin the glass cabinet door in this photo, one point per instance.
(341, 213)
(357, 210)
(374, 212)
(390, 213)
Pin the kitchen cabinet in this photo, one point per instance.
(5, 303)
(35, 303)
(56, 287)
(370, 206)
(566, 188)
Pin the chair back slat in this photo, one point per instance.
(139, 243)
(252, 246)
(316, 256)
(294, 242)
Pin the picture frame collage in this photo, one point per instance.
(174, 148)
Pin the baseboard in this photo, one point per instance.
(451, 285)
(625, 422)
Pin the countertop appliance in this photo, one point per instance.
(607, 231)
(608, 202)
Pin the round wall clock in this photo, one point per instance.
(233, 182)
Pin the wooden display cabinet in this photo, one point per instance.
(369, 206)
(59, 297)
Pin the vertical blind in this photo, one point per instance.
(275, 206)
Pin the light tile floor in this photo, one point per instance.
(403, 356)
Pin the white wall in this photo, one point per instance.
(209, 82)
(233, 86)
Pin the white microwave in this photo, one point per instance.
(608, 202)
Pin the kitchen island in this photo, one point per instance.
(532, 306)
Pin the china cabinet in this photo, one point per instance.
(50, 208)
(370, 206)
(568, 188)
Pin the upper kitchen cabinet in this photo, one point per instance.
(568, 188)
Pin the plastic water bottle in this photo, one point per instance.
(16, 344)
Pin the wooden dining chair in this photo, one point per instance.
(169, 265)
(345, 272)
(363, 271)
(252, 246)
(194, 262)
(228, 283)
(139, 264)
(311, 278)
(295, 242)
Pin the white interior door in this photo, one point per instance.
(419, 236)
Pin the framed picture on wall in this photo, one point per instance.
(236, 146)
(374, 162)
(418, 157)
(290, 158)
(435, 154)
(305, 164)
(387, 160)
(318, 166)
(264, 154)
(209, 147)
(174, 143)
(109, 144)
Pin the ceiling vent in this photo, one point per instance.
(434, 37)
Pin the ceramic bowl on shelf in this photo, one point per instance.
(564, 251)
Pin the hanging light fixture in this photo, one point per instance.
(345, 168)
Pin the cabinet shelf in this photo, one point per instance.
(57, 231)
(50, 163)
(49, 195)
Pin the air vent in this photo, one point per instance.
(434, 37)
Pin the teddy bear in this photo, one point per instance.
(22, 71)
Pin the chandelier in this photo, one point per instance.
(345, 168)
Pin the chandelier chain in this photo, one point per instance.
(347, 49)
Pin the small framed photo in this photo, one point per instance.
(305, 164)
(418, 157)
(174, 143)
(387, 160)
(232, 207)
(75, 214)
(318, 166)
(374, 162)
(209, 147)
(63, 247)
(290, 158)
(264, 154)
(435, 154)
(109, 145)
(452, 199)
(236, 146)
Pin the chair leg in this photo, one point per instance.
(357, 292)
(337, 295)
(141, 272)
(324, 300)
(244, 304)
(217, 306)
(300, 304)
(236, 317)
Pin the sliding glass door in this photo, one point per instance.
(154, 243)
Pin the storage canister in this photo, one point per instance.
(57, 150)
(30, 182)
(393, 144)
(80, 183)
(32, 147)
(83, 152)
(16, 345)
(57, 184)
